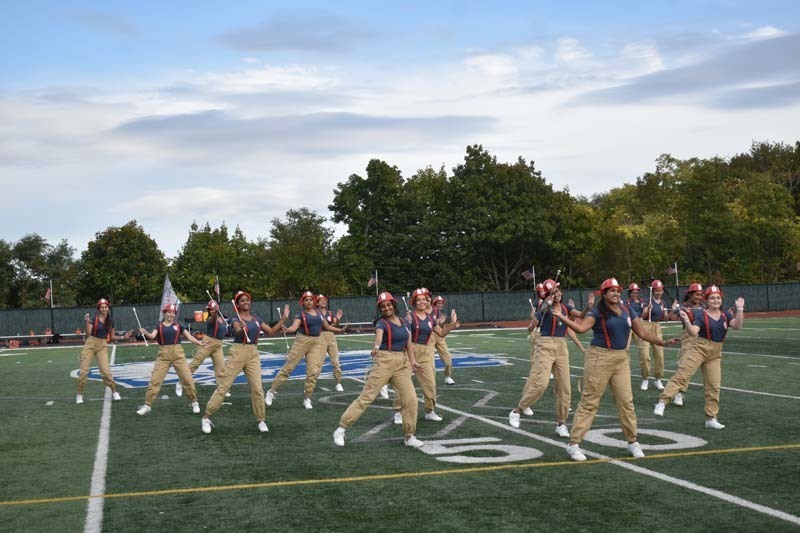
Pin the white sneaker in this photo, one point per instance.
(115, 395)
(575, 453)
(513, 419)
(307, 403)
(196, 408)
(449, 381)
(714, 424)
(339, 387)
(433, 416)
(262, 427)
(178, 389)
(385, 392)
(552, 376)
(338, 436)
(635, 450)
(269, 397)
(79, 398)
(659, 385)
(645, 384)
(678, 399)
(206, 425)
(414, 442)
(398, 418)
(659, 408)
(143, 410)
(227, 394)
(562, 431)
(527, 411)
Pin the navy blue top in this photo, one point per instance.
(310, 325)
(99, 329)
(636, 306)
(613, 331)
(217, 329)
(169, 334)
(421, 328)
(658, 311)
(714, 330)
(395, 337)
(550, 327)
(253, 328)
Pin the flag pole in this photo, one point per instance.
(376, 283)
(52, 312)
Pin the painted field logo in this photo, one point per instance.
(354, 363)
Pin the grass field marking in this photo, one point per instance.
(94, 508)
(726, 352)
(403, 475)
(639, 470)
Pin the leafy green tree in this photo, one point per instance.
(300, 249)
(123, 264)
(6, 273)
(33, 264)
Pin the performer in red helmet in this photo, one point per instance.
(243, 356)
(170, 353)
(392, 362)
(99, 330)
(655, 312)
(551, 358)
(440, 343)
(216, 330)
(422, 325)
(607, 363)
(328, 339)
(693, 301)
(709, 327)
(309, 324)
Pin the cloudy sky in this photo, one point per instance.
(181, 111)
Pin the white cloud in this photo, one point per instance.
(569, 50)
(764, 32)
(495, 65)
(251, 60)
(644, 57)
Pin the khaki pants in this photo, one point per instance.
(444, 354)
(211, 347)
(707, 356)
(170, 355)
(331, 347)
(423, 354)
(534, 336)
(311, 349)
(98, 348)
(552, 355)
(687, 341)
(605, 367)
(241, 357)
(654, 328)
(393, 368)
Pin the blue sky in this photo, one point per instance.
(173, 112)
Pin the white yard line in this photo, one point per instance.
(729, 498)
(94, 508)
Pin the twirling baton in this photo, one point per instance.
(650, 316)
(405, 303)
(284, 331)
(140, 327)
(244, 326)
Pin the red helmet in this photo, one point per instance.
(422, 291)
(212, 305)
(239, 295)
(609, 284)
(306, 295)
(548, 285)
(713, 289)
(438, 298)
(656, 284)
(385, 297)
(170, 308)
(694, 287)
(321, 297)
(633, 287)
(540, 290)
(103, 301)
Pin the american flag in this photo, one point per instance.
(529, 274)
(373, 280)
(46, 296)
(672, 268)
(216, 286)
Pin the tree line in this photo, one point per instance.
(476, 228)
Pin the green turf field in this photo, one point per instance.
(475, 473)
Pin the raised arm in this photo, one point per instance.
(738, 319)
(582, 327)
(278, 325)
(443, 330)
(691, 329)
